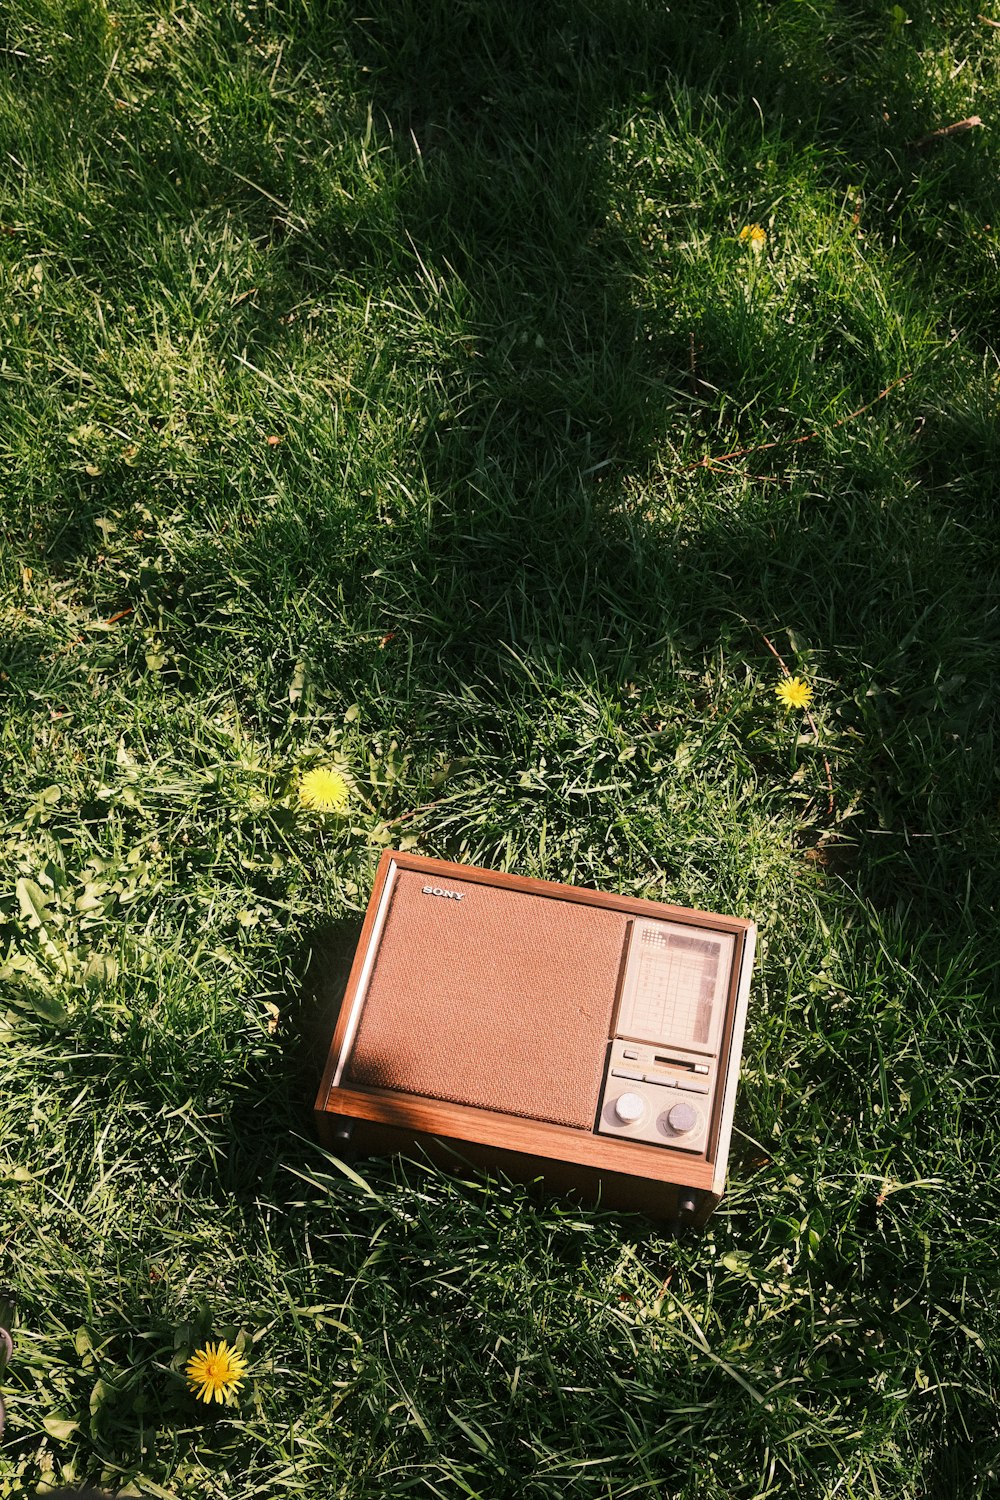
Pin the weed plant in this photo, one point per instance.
(368, 377)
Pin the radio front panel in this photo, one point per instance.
(552, 1022)
(491, 998)
(663, 1074)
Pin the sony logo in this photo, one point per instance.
(435, 890)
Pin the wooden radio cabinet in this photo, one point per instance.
(550, 1031)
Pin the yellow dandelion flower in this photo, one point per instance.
(754, 236)
(794, 693)
(216, 1372)
(324, 790)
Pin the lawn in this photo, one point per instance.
(391, 387)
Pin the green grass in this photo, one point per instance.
(476, 268)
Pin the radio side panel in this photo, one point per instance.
(740, 1006)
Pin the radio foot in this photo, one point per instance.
(687, 1207)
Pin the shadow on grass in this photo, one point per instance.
(554, 386)
(505, 207)
(544, 406)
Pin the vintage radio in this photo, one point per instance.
(554, 1032)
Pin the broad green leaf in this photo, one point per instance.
(34, 908)
(60, 1428)
(93, 896)
(32, 998)
(100, 968)
(32, 901)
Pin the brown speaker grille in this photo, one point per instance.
(502, 1000)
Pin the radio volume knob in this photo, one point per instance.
(629, 1108)
(682, 1118)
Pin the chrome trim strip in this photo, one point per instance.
(735, 1058)
(374, 943)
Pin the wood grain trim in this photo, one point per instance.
(636, 905)
(606, 1190)
(419, 1116)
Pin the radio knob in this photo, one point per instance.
(629, 1108)
(682, 1118)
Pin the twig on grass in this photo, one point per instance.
(414, 812)
(710, 462)
(939, 135)
(812, 722)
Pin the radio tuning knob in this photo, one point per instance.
(630, 1107)
(682, 1118)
